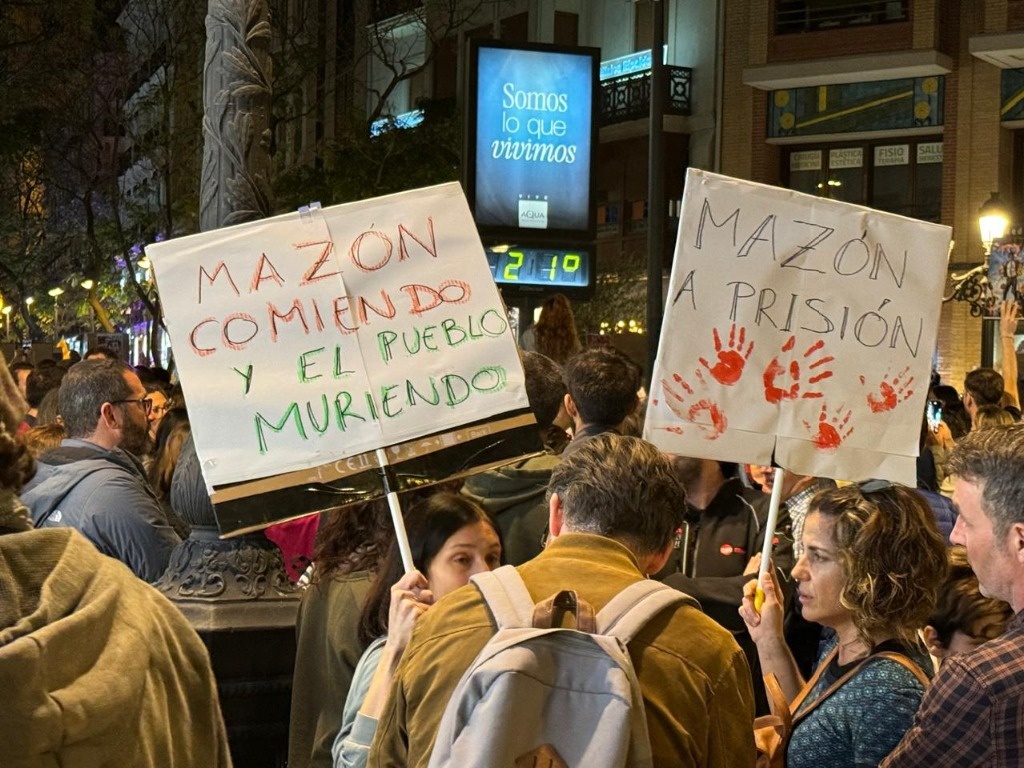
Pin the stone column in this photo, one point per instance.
(236, 114)
(236, 594)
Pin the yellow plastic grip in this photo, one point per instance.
(758, 599)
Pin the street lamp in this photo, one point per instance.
(7, 314)
(56, 292)
(973, 286)
(993, 221)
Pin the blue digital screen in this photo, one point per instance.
(534, 127)
(541, 267)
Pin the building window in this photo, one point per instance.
(901, 176)
(878, 105)
(812, 15)
(397, 46)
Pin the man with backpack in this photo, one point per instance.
(680, 695)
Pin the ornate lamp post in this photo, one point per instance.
(973, 286)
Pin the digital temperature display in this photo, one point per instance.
(539, 269)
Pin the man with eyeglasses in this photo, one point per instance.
(93, 481)
(973, 712)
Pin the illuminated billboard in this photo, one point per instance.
(531, 133)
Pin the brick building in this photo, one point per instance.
(910, 107)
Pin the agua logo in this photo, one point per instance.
(533, 214)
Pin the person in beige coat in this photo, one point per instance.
(97, 668)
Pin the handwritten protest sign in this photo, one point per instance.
(797, 328)
(305, 340)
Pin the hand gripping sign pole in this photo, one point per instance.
(769, 535)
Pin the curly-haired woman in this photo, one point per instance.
(870, 570)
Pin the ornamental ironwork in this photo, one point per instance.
(628, 97)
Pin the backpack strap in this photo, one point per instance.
(506, 596)
(631, 609)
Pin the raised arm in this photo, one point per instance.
(1008, 316)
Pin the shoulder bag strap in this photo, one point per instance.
(908, 663)
(899, 658)
(809, 685)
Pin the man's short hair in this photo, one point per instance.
(993, 459)
(603, 384)
(86, 387)
(545, 387)
(101, 352)
(622, 488)
(41, 381)
(985, 385)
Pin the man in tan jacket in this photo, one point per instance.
(614, 508)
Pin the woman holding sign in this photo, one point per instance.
(871, 565)
(451, 538)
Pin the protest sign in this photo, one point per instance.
(1005, 276)
(307, 341)
(797, 329)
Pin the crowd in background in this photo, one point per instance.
(866, 593)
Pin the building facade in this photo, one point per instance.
(909, 106)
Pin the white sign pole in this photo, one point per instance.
(401, 536)
(769, 534)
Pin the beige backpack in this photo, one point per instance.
(541, 696)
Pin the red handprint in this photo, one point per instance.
(890, 394)
(775, 392)
(730, 363)
(831, 430)
(705, 412)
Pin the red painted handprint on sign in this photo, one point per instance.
(830, 431)
(782, 381)
(890, 393)
(699, 409)
(730, 363)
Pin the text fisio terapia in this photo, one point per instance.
(540, 123)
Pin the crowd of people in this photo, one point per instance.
(891, 619)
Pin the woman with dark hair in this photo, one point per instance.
(171, 435)
(870, 570)
(451, 538)
(350, 546)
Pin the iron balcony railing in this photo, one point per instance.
(628, 97)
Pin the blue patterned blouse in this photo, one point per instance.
(862, 722)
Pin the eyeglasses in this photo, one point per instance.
(145, 402)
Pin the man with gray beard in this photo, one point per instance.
(92, 481)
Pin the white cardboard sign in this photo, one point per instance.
(304, 339)
(797, 327)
